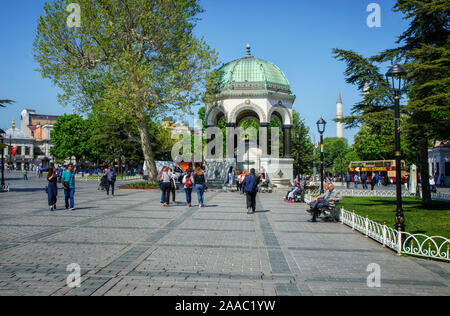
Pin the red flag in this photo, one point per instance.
(13, 151)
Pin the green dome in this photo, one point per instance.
(250, 73)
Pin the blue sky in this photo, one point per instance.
(296, 35)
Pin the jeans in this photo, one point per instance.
(251, 200)
(162, 191)
(52, 193)
(230, 179)
(166, 191)
(69, 196)
(200, 188)
(188, 192)
(110, 184)
(173, 191)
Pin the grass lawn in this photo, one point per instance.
(431, 222)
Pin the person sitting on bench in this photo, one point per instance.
(296, 189)
(322, 200)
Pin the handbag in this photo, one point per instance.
(66, 184)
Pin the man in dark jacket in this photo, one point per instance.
(250, 185)
(364, 180)
(348, 179)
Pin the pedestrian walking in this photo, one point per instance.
(242, 177)
(433, 185)
(200, 184)
(52, 188)
(348, 179)
(364, 180)
(356, 180)
(68, 180)
(111, 178)
(250, 186)
(173, 185)
(25, 174)
(230, 176)
(373, 182)
(166, 177)
(188, 184)
(160, 179)
(237, 176)
(442, 178)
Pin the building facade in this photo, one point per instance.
(22, 144)
(39, 127)
(439, 161)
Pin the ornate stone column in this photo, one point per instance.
(263, 132)
(287, 140)
(230, 140)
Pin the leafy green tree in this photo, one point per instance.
(70, 138)
(112, 139)
(4, 102)
(424, 49)
(334, 151)
(302, 147)
(135, 59)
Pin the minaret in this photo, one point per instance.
(339, 115)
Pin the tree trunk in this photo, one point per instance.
(147, 150)
(425, 184)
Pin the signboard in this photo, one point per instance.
(371, 169)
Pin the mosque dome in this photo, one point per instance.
(252, 75)
(15, 133)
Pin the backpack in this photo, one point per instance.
(250, 183)
(188, 183)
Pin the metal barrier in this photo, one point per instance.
(436, 247)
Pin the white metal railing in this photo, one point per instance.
(382, 193)
(98, 178)
(436, 247)
(440, 196)
(351, 192)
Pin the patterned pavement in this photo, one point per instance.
(130, 245)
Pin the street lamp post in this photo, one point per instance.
(321, 128)
(396, 80)
(247, 149)
(2, 132)
(297, 136)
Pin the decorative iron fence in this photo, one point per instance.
(381, 193)
(351, 192)
(436, 247)
(440, 196)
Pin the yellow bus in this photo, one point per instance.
(382, 167)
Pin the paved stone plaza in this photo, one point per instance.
(130, 245)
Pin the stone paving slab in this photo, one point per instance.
(131, 245)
